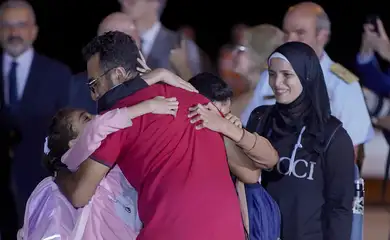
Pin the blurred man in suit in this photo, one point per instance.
(156, 40)
(33, 87)
(80, 95)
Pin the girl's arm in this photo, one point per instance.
(101, 126)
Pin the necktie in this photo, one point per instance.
(142, 43)
(12, 82)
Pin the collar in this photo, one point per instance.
(325, 62)
(151, 34)
(24, 58)
(110, 98)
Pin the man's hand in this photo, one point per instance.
(163, 75)
(366, 48)
(179, 60)
(178, 56)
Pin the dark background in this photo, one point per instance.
(66, 25)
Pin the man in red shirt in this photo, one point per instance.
(181, 174)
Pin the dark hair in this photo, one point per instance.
(115, 49)
(60, 133)
(212, 87)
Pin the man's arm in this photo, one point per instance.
(80, 186)
(372, 76)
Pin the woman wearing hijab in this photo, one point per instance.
(313, 181)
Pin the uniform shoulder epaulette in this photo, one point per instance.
(343, 73)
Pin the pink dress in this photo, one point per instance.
(112, 212)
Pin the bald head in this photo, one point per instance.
(119, 21)
(307, 22)
(314, 10)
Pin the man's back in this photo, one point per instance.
(181, 174)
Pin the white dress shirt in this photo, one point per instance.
(148, 37)
(346, 101)
(22, 71)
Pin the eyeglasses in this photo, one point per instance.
(93, 81)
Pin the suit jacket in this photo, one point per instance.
(373, 77)
(46, 91)
(80, 95)
(165, 41)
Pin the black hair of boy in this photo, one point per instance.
(212, 87)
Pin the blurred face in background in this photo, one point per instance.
(300, 25)
(140, 8)
(18, 30)
(261, 41)
(242, 61)
(238, 34)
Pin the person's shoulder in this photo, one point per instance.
(260, 110)
(79, 79)
(165, 90)
(257, 115)
(81, 76)
(342, 74)
(167, 33)
(182, 94)
(51, 63)
(340, 138)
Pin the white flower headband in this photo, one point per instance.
(46, 149)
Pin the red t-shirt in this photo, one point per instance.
(181, 174)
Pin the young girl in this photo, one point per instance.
(112, 212)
